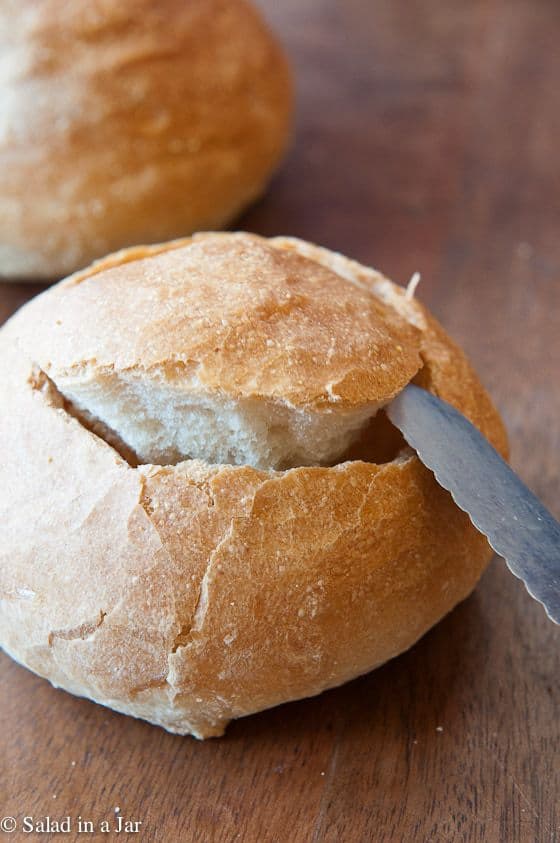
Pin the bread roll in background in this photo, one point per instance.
(203, 510)
(131, 121)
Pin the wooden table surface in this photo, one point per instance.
(428, 139)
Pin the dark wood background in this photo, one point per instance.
(428, 139)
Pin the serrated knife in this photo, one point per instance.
(516, 524)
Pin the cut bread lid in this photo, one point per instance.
(228, 348)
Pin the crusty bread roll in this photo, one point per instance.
(131, 122)
(203, 511)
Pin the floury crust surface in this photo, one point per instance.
(134, 121)
(192, 593)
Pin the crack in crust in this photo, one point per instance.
(194, 622)
(188, 631)
(80, 632)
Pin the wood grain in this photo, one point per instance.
(427, 140)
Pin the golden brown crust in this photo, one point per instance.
(192, 594)
(229, 314)
(155, 119)
(445, 369)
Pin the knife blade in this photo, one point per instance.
(517, 525)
